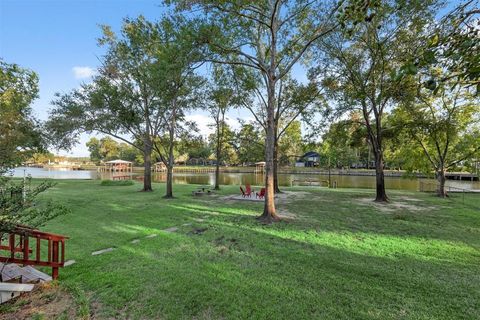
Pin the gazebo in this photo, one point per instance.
(159, 167)
(260, 167)
(118, 166)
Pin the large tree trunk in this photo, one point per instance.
(269, 214)
(275, 165)
(441, 192)
(380, 177)
(147, 164)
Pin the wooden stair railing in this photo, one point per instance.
(21, 252)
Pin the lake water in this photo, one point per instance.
(244, 178)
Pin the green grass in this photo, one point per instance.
(342, 257)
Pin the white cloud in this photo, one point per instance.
(83, 72)
(202, 122)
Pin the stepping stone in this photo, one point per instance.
(151, 235)
(135, 241)
(69, 263)
(30, 274)
(102, 251)
(12, 290)
(172, 229)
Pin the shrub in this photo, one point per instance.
(117, 183)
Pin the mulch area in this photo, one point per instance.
(46, 301)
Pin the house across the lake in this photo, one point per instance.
(309, 159)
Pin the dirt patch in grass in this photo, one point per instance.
(46, 301)
(282, 197)
(405, 198)
(395, 205)
(224, 245)
(286, 215)
(288, 196)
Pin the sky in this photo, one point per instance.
(58, 40)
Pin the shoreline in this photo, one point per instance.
(463, 176)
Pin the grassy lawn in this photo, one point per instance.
(338, 256)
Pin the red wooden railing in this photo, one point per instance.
(19, 250)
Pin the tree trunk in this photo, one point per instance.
(171, 140)
(169, 187)
(441, 183)
(380, 177)
(275, 167)
(219, 149)
(269, 214)
(217, 175)
(147, 164)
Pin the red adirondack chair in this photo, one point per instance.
(243, 192)
(261, 195)
(248, 191)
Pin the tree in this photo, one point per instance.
(129, 153)
(452, 44)
(358, 65)
(107, 149)
(227, 146)
(270, 37)
(290, 143)
(250, 143)
(221, 97)
(43, 157)
(180, 57)
(20, 132)
(93, 146)
(445, 125)
(126, 99)
(196, 148)
(294, 101)
(20, 138)
(345, 144)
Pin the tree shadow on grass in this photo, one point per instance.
(177, 276)
(360, 219)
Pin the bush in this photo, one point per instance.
(117, 183)
(19, 204)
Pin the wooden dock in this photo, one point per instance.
(463, 176)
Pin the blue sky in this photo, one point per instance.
(57, 39)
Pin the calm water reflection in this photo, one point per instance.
(244, 178)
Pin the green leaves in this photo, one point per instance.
(434, 40)
(19, 204)
(429, 57)
(409, 69)
(20, 135)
